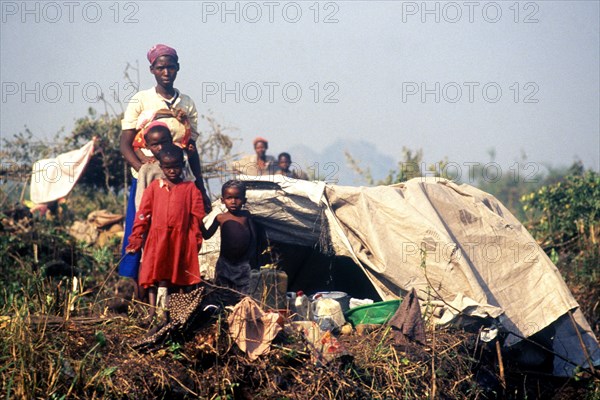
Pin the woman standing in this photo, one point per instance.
(174, 108)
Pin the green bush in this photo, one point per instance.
(563, 217)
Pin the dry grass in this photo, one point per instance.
(60, 343)
(91, 357)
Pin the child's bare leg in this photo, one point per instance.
(142, 294)
(152, 301)
(139, 291)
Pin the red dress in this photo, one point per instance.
(169, 218)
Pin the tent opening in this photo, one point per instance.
(311, 271)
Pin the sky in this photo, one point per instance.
(455, 79)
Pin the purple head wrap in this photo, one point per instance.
(161, 50)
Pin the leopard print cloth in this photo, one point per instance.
(182, 312)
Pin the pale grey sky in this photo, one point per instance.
(453, 78)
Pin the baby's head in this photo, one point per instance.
(157, 135)
(233, 195)
(171, 162)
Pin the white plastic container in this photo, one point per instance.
(328, 314)
(303, 307)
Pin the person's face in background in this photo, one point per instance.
(284, 163)
(261, 149)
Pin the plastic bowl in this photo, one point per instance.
(376, 313)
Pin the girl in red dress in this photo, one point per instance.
(167, 225)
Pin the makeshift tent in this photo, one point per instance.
(459, 247)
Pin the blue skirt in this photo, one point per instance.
(131, 262)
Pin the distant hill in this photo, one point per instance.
(332, 166)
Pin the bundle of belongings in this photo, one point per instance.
(99, 228)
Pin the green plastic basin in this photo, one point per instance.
(376, 313)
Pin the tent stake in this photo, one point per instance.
(500, 365)
(583, 347)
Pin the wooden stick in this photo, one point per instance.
(23, 192)
(500, 365)
(583, 347)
